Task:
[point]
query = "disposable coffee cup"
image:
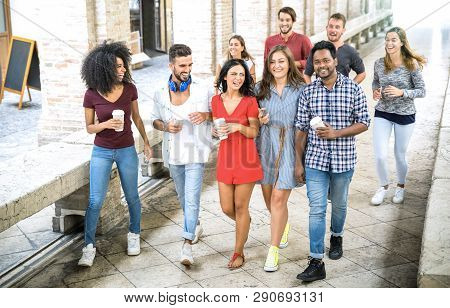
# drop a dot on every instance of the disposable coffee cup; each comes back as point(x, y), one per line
point(316, 122)
point(177, 122)
point(119, 115)
point(217, 123)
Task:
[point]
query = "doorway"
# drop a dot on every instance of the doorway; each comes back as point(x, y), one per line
point(5, 34)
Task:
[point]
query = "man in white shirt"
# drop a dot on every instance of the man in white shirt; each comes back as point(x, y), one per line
point(181, 110)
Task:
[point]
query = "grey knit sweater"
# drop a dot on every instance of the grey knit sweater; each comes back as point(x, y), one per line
point(411, 83)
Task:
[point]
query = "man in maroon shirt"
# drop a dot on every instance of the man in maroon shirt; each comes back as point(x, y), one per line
point(299, 44)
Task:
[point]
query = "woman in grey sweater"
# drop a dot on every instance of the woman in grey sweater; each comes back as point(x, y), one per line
point(396, 83)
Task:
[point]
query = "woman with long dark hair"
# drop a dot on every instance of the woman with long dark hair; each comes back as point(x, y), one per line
point(397, 81)
point(278, 93)
point(105, 71)
point(238, 165)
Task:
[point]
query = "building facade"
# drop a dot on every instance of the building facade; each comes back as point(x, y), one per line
point(66, 30)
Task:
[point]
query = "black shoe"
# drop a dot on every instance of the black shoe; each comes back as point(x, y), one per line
point(335, 247)
point(314, 271)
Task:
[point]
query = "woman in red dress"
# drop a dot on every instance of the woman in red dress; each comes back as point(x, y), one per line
point(238, 165)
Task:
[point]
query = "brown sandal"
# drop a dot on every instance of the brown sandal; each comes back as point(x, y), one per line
point(233, 258)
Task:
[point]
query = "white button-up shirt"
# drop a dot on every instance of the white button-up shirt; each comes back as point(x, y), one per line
point(194, 142)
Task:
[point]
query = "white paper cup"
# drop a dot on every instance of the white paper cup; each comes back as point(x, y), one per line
point(119, 115)
point(316, 122)
point(217, 123)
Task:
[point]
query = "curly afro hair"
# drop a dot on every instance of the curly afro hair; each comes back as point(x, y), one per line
point(98, 70)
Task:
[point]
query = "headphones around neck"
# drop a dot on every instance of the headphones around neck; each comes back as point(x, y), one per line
point(173, 86)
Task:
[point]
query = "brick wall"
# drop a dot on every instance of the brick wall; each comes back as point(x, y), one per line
point(194, 27)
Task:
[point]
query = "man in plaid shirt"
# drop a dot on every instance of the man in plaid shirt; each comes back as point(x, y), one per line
point(330, 151)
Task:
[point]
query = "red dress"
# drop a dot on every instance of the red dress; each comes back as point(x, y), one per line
point(238, 160)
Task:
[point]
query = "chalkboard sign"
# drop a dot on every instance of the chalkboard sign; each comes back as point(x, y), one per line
point(22, 69)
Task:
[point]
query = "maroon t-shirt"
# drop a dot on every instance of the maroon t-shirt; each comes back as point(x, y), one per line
point(299, 44)
point(109, 138)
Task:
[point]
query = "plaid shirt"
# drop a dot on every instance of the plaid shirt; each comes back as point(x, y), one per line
point(342, 106)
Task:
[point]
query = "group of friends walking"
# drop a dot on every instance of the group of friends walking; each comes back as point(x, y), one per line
point(287, 130)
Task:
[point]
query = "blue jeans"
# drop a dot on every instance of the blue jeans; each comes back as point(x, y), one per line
point(100, 170)
point(318, 184)
point(188, 183)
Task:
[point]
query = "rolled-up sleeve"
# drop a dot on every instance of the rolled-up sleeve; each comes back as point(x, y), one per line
point(156, 110)
point(302, 118)
point(360, 109)
point(419, 86)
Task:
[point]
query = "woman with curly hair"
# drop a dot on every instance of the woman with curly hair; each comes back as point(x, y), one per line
point(105, 70)
point(238, 165)
point(397, 81)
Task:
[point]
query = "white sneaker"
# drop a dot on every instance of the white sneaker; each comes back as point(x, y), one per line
point(378, 197)
point(186, 255)
point(134, 244)
point(399, 195)
point(198, 233)
point(87, 259)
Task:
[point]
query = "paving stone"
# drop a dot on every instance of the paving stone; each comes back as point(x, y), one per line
point(73, 273)
point(189, 285)
point(14, 244)
point(225, 241)
point(413, 225)
point(237, 280)
point(7, 261)
point(255, 257)
point(284, 277)
point(160, 276)
point(355, 218)
point(381, 233)
point(147, 258)
point(51, 277)
point(172, 251)
point(408, 248)
point(360, 280)
point(36, 224)
point(217, 225)
point(387, 212)
point(111, 281)
point(10, 232)
point(154, 220)
point(403, 276)
point(374, 257)
point(207, 267)
point(162, 235)
point(40, 239)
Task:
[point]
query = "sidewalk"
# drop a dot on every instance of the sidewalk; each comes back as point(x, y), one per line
point(381, 244)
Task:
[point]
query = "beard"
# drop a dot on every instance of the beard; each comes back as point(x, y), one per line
point(334, 38)
point(287, 31)
point(328, 72)
point(180, 78)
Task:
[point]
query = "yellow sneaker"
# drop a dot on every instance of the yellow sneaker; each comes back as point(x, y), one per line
point(272, 260)
point(284, 239)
